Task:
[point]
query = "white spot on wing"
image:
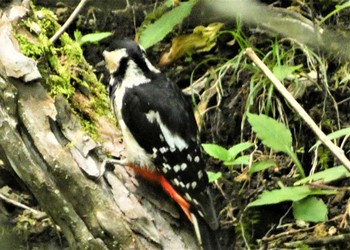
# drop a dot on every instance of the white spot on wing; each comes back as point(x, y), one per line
point(174, 141)
point(189, 157)
point(161, 137)
point(194, 184)
point(196, 159)
point(200, 174)
point(188, 197)
point(200, 213)
point(163, 150)
point(155, 151)
point(176, 182)
point(166, 168)
point(195, 202)
point(176, 168)
point(183, 166)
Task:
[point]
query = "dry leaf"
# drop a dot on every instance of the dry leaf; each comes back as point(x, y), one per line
point(202, 39)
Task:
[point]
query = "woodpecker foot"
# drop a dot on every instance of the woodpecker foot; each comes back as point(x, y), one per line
point(109, 161)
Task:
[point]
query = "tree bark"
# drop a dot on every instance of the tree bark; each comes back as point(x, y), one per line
point(44, 144)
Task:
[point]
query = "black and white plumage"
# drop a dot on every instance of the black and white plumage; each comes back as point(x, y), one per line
point(159, 129)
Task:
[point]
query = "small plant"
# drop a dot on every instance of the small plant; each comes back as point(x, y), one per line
point(275, 136)
point(90, 38)
point(230, 156)
point(306, 207)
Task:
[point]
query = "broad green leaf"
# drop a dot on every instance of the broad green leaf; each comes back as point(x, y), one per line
point(282, 71)
point(216, 151)
point(242, 160)
point(236, 149)
point(310, 209)
point(212, 176)
point(288, 194)
point(261, 165)
point(335, 135)
point(159, 29)
point(94, 37)
point(326, 176)
point(281, 195)
point(272, 133)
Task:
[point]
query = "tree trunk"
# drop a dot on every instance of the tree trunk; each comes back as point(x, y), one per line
point(44, 144)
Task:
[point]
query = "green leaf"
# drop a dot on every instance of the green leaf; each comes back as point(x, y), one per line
point(159, 29)
point(281, 195)
point(326, 176)
point(261, 165)
point(310, 209)
point(94, 37)
point(212, 176)
point(236, 149)
point(216, 151)
point(335, 135)
point(242, 160)
point(282, 71)
point(288, 194)
point(272, 133)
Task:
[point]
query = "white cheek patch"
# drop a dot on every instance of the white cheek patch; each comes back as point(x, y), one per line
point(173, 140)
point(113, 58)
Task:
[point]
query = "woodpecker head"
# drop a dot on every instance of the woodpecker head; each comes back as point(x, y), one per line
point(126, 60)
point(118, 54)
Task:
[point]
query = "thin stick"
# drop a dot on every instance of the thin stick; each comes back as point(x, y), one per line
point(18, 204)
point(69, 21)
point(337, 152)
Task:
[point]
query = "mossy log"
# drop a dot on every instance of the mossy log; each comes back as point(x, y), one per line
point(44, 145)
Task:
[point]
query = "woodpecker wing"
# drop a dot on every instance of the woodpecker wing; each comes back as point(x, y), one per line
point(160, 118)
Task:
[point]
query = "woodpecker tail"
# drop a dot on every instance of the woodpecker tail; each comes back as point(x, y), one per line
point(207, 238)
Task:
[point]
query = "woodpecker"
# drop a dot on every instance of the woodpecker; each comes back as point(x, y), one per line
point(160, 134)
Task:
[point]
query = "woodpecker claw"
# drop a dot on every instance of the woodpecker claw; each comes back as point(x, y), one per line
point(122, 162)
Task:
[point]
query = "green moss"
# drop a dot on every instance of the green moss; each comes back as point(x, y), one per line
point(64, 67)
point(90, 128)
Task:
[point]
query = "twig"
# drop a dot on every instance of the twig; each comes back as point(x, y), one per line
point(18, 204)
point(337, 152)
point(69, 21)
point(320, 241)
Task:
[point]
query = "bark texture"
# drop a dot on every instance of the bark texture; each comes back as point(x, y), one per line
point(43, 143)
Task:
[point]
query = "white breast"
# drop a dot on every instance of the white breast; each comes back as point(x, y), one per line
point(134, 152)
